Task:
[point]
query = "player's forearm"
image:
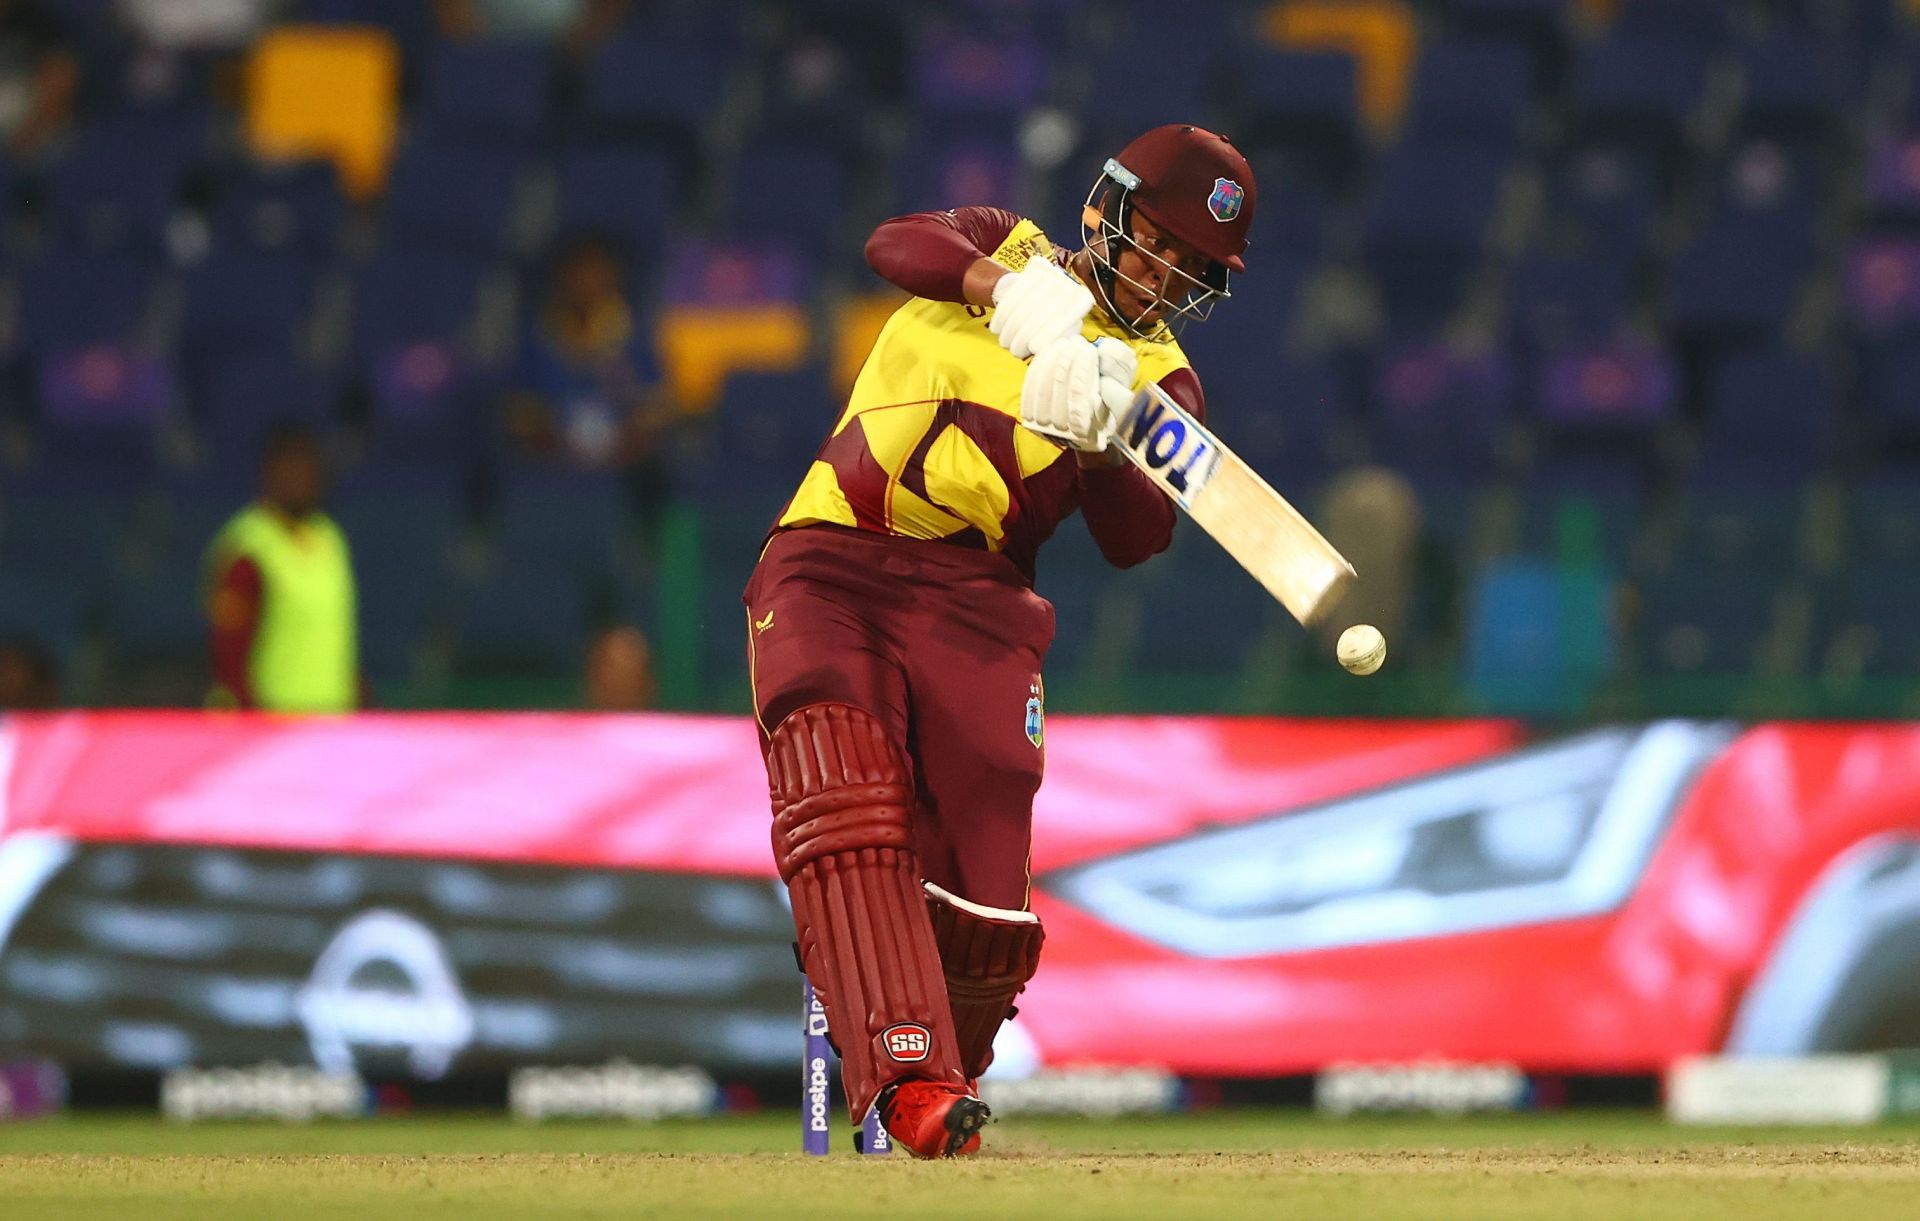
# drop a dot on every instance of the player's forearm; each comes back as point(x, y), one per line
point(933, 260)
point(1130, 519)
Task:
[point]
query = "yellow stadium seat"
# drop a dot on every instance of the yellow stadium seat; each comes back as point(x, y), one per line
point(1379, 34)
point(856, 324)
point(701, 345)
point(326, 91)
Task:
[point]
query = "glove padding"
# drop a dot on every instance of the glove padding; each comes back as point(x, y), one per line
point(1037, 305)
point(1118, 367)
point(1061, 396)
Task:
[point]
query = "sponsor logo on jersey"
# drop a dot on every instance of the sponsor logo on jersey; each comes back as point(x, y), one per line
point(907, 1042)
point(761, 625)
point(1225, 201)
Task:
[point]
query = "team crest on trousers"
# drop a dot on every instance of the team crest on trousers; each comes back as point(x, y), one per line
point(1036, 714)
point(1225, 201)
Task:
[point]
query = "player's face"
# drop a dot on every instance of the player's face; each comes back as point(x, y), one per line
point(589, 277)
point(1156, 271)
point(295, 479)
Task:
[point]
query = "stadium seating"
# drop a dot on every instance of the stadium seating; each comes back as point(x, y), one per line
point(1631, 288)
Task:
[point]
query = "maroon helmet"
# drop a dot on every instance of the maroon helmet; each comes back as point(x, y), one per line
point(1193, 184)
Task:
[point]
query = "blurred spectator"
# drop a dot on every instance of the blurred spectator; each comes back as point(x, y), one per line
point(1373, 516)
point(29, 680)
point(39, 75)
point(179, 24)
point(281, 592)
point(577, 26)
point(588, 385)
point(620, 671)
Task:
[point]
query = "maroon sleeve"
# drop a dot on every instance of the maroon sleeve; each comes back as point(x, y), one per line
point(235, 611)
point(928, 253)
point(1130, 518)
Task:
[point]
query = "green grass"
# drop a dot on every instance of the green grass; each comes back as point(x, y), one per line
point(1238, 1164)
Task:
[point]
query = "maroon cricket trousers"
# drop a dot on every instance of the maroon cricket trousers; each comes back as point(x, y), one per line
point(944, 645)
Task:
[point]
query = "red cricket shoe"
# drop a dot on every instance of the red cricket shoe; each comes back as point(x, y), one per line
point(933, 1118)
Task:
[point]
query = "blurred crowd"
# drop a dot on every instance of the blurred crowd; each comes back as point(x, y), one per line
point(1589, 327)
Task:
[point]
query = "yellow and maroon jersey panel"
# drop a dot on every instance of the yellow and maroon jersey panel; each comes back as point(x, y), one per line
point(930, 445)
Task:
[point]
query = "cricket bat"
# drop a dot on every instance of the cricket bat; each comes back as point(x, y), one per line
point(1259, 529)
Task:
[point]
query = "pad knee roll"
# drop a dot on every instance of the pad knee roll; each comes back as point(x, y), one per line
point(842, 795)
point(987, 954)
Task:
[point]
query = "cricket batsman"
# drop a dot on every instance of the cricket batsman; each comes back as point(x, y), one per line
point(894, 636)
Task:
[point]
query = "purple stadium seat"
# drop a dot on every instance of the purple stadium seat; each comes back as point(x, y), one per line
point(1636, 90)
point(119, 182)
point(1764, 179)
point(1556, 300)
point(1770, 422)
point(453, 195)
point(487, 91)
point(1471, 89)
point(245, 394)
point(1890, 390)
point(1791, 88)
point(73, 297)
point(238, 298)
point(101, 406)
point(103, 386)
point(1304, 103)
point(928, 179)
point(1542, 23)
point(295, 205)
point(1425, 222)
point(627, 194)
point(1601, 202)
point(792, 194)
point(1290, 430)
point(959, 75)
point(728, 275)
point(405, 296)
point(1618, 384)
point(1438, 411)
point(828, 76)
point(1235, 348)
point(765, 429)
point(1701, 26)
point(426, 399)
point(1883, 285)
point(1741, 277)
point(1893, 178)
point(1293, 218)
point(651, 87)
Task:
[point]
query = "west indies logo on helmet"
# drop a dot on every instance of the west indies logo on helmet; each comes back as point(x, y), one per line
point(1190, 183)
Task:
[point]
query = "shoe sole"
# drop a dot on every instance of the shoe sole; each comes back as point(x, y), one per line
point(964, 1121)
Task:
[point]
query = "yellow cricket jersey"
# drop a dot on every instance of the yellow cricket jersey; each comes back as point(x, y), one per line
point(930, 445)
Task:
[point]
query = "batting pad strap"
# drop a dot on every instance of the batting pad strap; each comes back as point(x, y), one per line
point(1005, 915)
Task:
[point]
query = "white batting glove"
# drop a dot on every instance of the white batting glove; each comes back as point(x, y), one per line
point(1119, 365)
point(1037, 305)
point(1061, 396)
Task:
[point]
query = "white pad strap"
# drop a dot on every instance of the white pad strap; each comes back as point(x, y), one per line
point(1004, 914)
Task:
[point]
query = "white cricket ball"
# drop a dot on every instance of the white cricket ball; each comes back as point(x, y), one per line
point(1362, 649)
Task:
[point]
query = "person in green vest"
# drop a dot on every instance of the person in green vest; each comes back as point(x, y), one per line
point(281, 594)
